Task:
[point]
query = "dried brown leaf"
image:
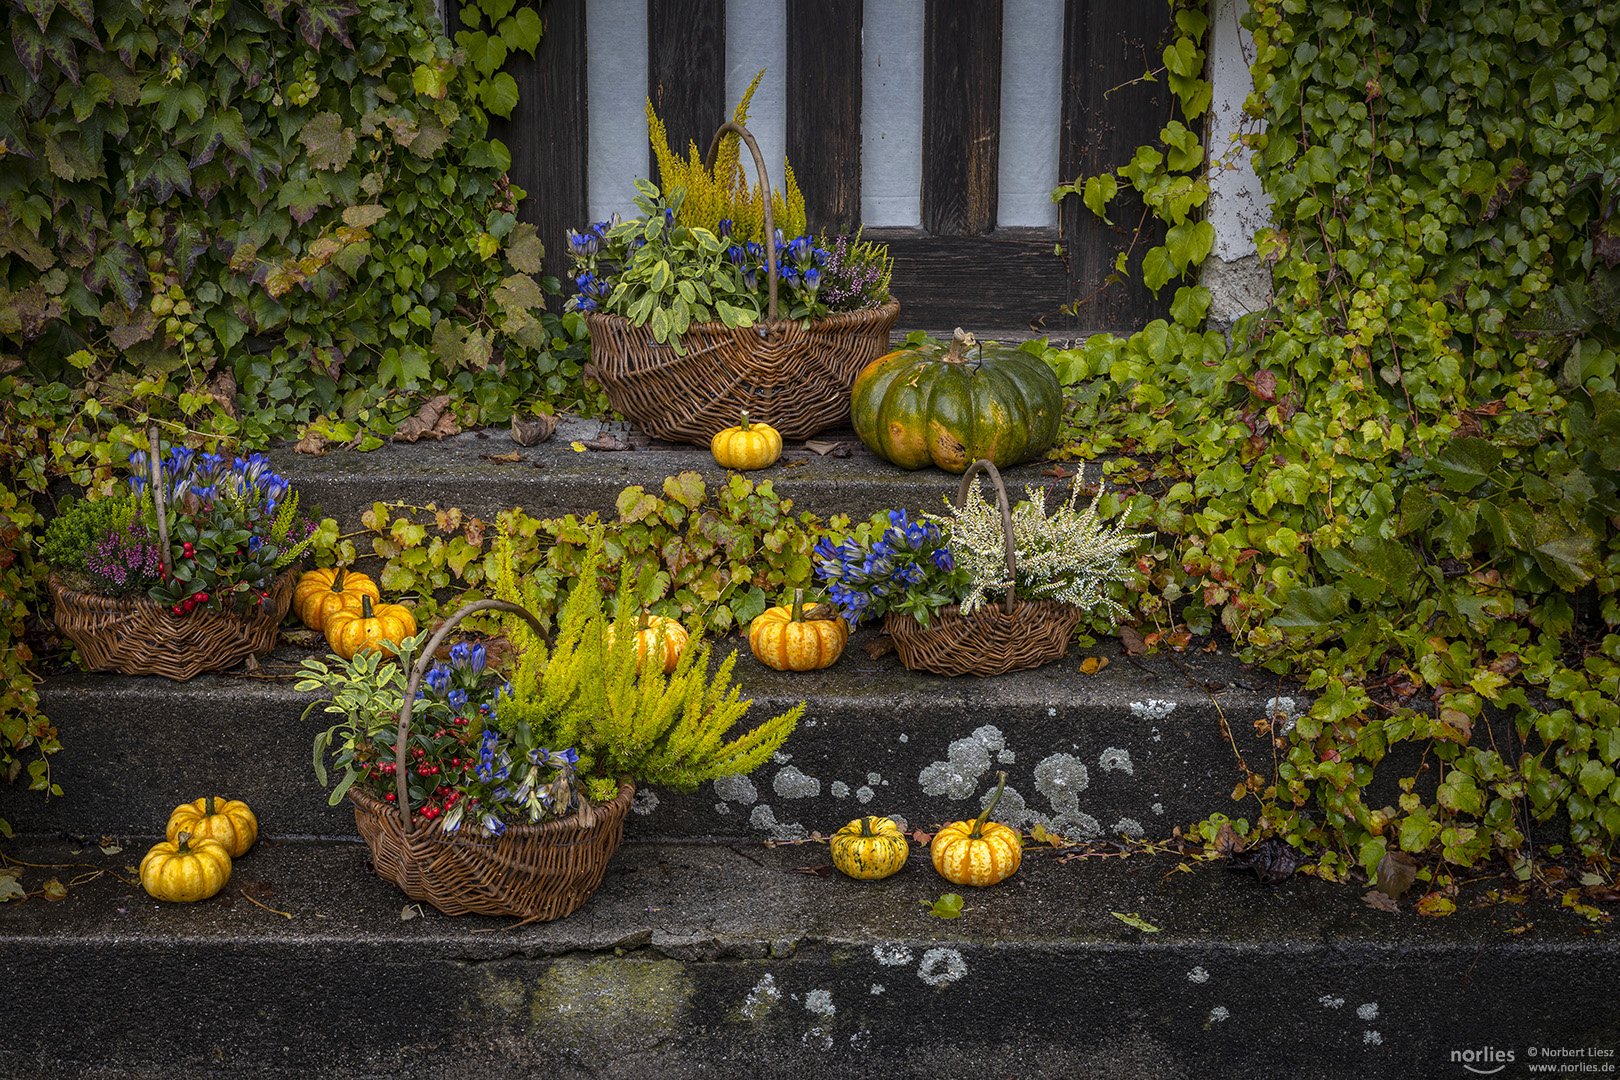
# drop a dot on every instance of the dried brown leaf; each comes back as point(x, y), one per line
point(605, 441)
point(1134, 645)
point(822, 448)
point(313, 442)
point(503, 459)
point(426, 421)
point(879, 648)
point(1396, 872)
point(814, 871)
point(1382, 901)
point(1227, 841)
point(1093, 664)
point(533, 432)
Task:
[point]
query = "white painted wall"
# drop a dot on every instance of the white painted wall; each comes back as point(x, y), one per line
point(756, 37)
point(1031, 110)
point(1237, 205)
point(616, 97)
point(892, 112)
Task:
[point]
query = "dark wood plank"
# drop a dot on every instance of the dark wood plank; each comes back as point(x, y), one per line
point(686, 70)
point(1107, 44)
point(824, 109)
point(1009, 279)
point(961, 116)
point(547, 132)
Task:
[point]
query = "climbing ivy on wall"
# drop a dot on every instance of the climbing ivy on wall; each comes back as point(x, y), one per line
point(247, 219)
point(1399, 481)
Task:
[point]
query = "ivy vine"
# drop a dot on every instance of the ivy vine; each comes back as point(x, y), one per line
point(1401, 480)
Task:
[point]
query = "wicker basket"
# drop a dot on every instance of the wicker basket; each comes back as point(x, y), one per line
point(794, 378)
point(992, 641)
point(537, 872)
point(139, 636)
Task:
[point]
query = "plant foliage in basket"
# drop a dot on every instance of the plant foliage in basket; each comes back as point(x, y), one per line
point(233, 525)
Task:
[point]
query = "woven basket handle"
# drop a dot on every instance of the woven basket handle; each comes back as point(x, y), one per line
point(731, 127)
point(419, 672)
point(985, 465)
point(155, 468)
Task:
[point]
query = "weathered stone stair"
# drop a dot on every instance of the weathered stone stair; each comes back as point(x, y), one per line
point(712, 949)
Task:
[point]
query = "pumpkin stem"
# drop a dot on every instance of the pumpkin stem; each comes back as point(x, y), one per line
point(743, 420)
point(978, 822)
point(337, 579)
point(797, 614)
point(365, 606)
point(866, 827)
point(183, 844)
point(208, 806)
point(961, 340)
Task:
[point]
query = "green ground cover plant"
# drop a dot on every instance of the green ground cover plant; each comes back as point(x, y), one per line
point(1400, 480)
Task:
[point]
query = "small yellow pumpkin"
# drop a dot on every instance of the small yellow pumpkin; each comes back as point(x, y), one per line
point(783, 638)
point(323, 593)
point(184, 870)
point(978, 852)
point(230, 822)
point(746, 446)
point(656, 636)
point(869, 848)
point(380, 626)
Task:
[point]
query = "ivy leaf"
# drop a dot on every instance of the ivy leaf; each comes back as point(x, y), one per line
point(433, 78)
point(83, 10)
point(524, 250)
point(1099, 191)
point(329, 143)
point(1571, 561)
point(319, 17)
point(302, 197)
point(40, 10)
point(1135, 921)
point(948, 906)
point(172, 99)
point(1465, 463)
point(29, 44)
point(122, 267)
point(522, 30)
point(1311, 610)
point(60, 48)
point(1157, 268)
point(223, 128)
point(11, 884)
point(500, 94)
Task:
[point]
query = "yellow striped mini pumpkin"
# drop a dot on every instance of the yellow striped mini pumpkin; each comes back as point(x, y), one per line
point(978, 852)
point(869, 848)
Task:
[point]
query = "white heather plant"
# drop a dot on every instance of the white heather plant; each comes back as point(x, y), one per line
point(1070, 556)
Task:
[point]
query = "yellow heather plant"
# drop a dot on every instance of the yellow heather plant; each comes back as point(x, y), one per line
point(670, 731)
point(723, 193)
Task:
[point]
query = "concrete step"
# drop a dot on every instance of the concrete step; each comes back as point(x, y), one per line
point(1134, 750)
point(553, 479)
point(719, 960)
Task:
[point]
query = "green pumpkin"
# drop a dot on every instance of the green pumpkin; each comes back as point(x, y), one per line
point(951, 407)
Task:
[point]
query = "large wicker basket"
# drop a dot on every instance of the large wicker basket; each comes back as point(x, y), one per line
point(1019, 634)
point(140, 636)
point(795, 378)
point(536, 872)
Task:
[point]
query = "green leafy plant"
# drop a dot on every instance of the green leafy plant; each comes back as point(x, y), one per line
point(623, 717)
point(1399, 480)
point(494, 30)
point(890, 563)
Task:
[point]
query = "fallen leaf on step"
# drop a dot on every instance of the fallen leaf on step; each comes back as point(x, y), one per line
point(1134, 645)
point(1093, 664)
point(54, 890)
point(605, 442)
point(1601, 894)
point(1227, 841)
point(1396, 872)
point(879, 648)
point(306, 638)
point(409, 912)
point(1436, 906)
point(577, 447)
point(948, 906)
point(433, 418)
point(503, 459)
point(923, 838)
point(10, 887)
point(109, 846)
point(258, 890)
point(822, 448)
point(1273, 860)
point(1057, 471)
point(1132, 919)
point(313, 442)
point(814, 871)
point(532, 432)
point(796, 464)
point(1382, 901)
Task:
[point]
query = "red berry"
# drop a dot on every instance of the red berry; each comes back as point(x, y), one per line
point(390, 797)
point(177, 610)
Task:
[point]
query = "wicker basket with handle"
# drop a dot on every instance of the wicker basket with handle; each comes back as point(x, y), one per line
point(795, 378)
point(538, 872)
point(994, 640)
point(139, 636)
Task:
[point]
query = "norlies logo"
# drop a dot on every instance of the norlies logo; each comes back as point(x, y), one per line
point(1484, 1056)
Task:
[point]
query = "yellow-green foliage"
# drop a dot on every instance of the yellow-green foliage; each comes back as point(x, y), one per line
point(584, 693)
point(724, 192)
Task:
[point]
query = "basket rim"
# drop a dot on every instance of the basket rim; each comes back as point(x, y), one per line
point(68, 593)
point(954, 611)
point(833, 320)
point(615, 808)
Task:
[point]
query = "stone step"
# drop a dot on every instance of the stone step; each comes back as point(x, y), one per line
point(1136, 749)
point(553, 479)
point(720, 960)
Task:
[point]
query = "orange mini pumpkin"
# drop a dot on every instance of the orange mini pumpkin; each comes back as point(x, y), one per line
point(323, 593)
point(380, 626)
point(746, 446)
point(978, 852)
point(656, 636)
point(784, 639)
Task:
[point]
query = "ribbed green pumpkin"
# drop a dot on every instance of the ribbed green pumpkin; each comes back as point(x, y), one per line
point(951, 407)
